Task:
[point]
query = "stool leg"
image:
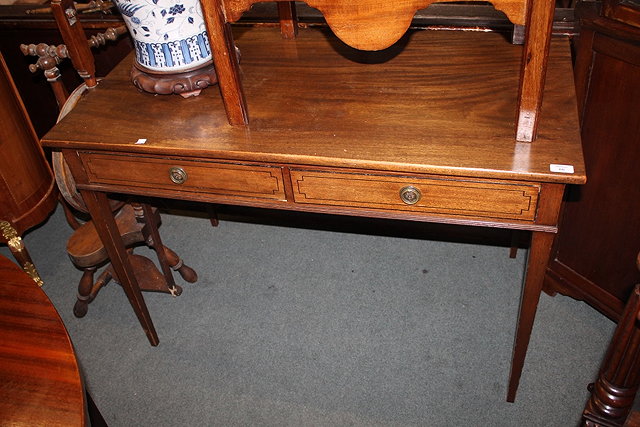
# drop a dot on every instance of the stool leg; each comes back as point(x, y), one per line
point(155, 242)
point(87, 289)
point(84, 292)
point(176, 264)
point(168, 258)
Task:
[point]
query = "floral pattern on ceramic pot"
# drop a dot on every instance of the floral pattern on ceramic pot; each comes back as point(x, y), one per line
point(168, 35)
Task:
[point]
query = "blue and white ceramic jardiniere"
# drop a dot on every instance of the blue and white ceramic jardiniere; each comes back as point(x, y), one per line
point(168, 35)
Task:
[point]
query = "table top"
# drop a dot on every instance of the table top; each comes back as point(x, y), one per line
point(40, 381)
point(437, 102)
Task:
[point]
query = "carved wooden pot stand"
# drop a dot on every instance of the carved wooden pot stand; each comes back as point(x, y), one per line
point(186, 84)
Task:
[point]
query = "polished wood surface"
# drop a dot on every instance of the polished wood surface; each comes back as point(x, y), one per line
point(394, 134)
point(317, 101)
point(40, 383)
point(597, 267)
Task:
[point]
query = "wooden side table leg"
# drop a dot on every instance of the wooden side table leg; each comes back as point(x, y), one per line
point(534, 67)
point(539, 252)
point(19, 251)
point(105, 224)
point(549, 204)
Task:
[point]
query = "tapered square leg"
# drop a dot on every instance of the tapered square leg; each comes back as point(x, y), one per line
point(105, 224)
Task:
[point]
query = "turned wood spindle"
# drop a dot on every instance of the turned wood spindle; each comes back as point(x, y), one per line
point(49, 56)
point(613, 393)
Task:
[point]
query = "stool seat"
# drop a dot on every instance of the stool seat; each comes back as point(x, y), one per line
point(85, 248)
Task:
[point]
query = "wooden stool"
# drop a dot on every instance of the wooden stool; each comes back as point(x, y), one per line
point(88, 253)
point(137, 223)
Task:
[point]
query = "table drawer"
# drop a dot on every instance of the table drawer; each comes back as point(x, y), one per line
point(471, 198)
point(211, 177)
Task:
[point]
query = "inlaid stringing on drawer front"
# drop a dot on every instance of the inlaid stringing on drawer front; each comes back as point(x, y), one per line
point(477, 198)
point(212, 177)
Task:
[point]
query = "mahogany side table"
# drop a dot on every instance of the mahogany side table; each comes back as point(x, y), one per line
point(392, 134)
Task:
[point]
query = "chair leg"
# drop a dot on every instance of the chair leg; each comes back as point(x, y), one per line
point(288, 19)
point(84, 292)
point(534, 67)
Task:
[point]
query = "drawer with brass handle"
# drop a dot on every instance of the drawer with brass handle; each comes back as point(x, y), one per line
point(420, 194)
point(211, 177)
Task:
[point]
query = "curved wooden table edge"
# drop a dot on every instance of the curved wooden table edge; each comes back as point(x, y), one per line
point(37, 357)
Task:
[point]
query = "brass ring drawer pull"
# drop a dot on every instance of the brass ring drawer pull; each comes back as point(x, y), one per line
point(177, 175)
point(410, 195)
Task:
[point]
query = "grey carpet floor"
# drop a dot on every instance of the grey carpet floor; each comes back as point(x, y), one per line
point(309, 325)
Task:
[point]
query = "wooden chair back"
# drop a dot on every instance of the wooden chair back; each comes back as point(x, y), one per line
point(375, 25)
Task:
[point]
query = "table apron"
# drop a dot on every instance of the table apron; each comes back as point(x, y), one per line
point(369, 193)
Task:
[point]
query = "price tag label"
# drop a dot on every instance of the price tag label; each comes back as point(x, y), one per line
point(561, 168)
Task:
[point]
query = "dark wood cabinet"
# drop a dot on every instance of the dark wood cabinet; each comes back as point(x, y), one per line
point(599, 235)
point(626, 11)
point(27, 188)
